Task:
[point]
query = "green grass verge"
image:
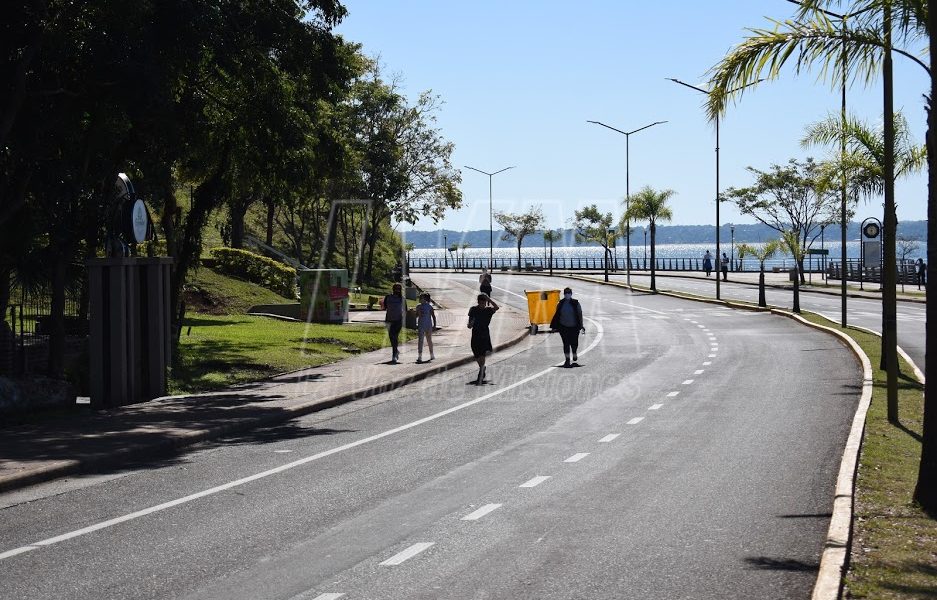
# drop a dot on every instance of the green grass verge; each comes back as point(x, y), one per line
point(894, 548)
point(216, 351)
point(213, 293)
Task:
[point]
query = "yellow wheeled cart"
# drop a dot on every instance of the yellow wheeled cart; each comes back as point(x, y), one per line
point(541, 305)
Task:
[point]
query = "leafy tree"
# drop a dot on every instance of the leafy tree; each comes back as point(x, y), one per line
point(591, 225)
point(403, 162)
point(649, 205)
point(762, 252)
point(518, 226)
point(793, 198)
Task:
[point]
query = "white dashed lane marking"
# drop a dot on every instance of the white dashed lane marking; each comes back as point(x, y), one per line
point(655, 406)
point(481, 512)
point(535, 481)
point(635, 420)
point(688, 382)
point(609, 437)
point(576, 457)
point(699, 372)
point(407, 554)
point(673, 394)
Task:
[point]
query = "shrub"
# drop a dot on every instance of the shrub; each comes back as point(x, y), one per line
point(257, 269)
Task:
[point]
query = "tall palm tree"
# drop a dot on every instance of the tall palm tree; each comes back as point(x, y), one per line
point(651, 206)
point(551, 236)
point(864, 161)
point(762, 252)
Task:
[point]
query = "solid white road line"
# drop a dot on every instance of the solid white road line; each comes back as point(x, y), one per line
point(673, 394)
point(635, 420)
point(535, 481)
point(481, 512)
point(407, 554)
point(609, 437)
point(600, 332)
point(655, 406)
point(688, 382)
point(576, 457)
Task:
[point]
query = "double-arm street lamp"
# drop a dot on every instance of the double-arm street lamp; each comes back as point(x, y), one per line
point(491, 227)
point(627, 135)
point(718, 193)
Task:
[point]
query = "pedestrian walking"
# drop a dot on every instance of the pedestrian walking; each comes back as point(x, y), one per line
point(708, 263)
point(394, 307)
point(725, 267)
point(479, 317)
point(568, 321)
point(425, 323)
point(921, 273)
point(485, 283)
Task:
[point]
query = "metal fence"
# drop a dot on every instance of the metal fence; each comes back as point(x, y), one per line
point(814, 265)
point(27, 324)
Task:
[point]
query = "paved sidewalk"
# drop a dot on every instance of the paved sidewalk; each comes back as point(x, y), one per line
point(108, 439)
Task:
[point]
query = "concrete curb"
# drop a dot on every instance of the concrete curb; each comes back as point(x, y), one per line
point(188, 438)
point(834, 559)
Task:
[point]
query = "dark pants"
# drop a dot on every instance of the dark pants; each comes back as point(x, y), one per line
point(570, 337)
point(725, 273)
point(393, 331)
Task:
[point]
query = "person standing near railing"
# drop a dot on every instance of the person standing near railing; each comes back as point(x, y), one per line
point(708, 263)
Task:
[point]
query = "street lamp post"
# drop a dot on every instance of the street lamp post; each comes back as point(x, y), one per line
point(491, 227)
point(844, 59)
point(627, 135)
point(718, 193)
point(732, 251)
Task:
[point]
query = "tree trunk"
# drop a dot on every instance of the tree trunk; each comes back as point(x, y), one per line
point(762, 301)
point(551, 258)
point(925, 492)
point(796, 293)
point(271, 212)
point(238, 209)
point(519, 240)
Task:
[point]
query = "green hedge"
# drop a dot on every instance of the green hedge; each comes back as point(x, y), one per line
point(257, 269)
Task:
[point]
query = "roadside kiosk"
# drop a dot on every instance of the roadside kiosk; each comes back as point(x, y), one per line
point(323, 295)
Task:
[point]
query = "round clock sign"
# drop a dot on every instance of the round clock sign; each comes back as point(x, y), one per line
point(871, 230)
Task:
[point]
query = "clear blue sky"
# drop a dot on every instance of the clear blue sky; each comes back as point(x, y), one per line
point(519, 80)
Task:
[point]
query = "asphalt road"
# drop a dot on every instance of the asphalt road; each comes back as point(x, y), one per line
point(692, 454)
point(862, 312)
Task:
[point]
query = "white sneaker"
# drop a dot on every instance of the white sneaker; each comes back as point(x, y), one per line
point(432, 356)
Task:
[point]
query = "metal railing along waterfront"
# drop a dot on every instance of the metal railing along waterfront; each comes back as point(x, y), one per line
point(907, 271)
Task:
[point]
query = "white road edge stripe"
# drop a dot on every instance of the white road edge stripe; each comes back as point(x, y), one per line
point(535, 481)
point(576, 457)
point(609, 438)
point(407, 554)
point(481, 512)
point(291, 465)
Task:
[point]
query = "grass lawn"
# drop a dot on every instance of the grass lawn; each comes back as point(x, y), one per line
point(894, 547)
point(220, 350)
point(212, 293)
